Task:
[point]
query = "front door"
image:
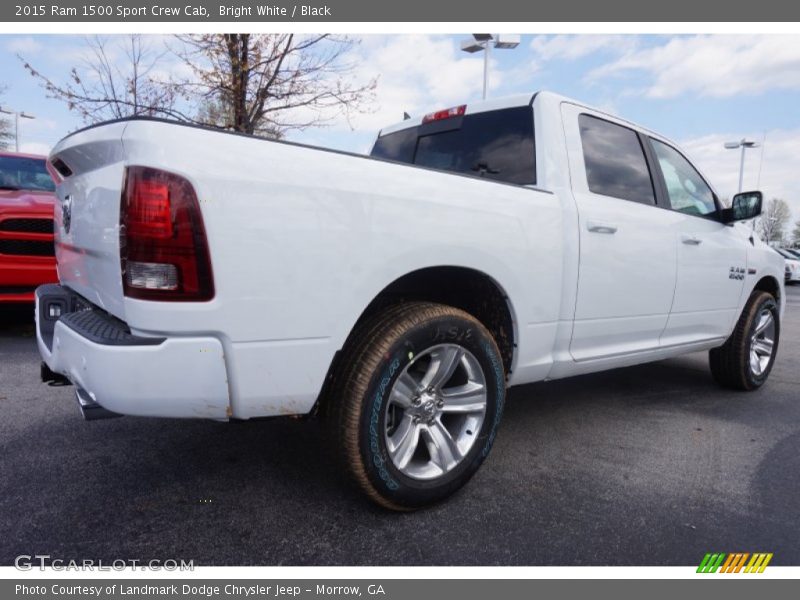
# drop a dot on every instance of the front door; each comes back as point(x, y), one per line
point(712, 257)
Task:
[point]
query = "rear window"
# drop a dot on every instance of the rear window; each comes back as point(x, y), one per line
point(24, 173)
point(496, 145)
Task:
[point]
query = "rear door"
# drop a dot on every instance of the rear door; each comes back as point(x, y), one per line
point(712, 257)
point(628, 266)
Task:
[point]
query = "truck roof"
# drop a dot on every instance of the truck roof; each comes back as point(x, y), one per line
point(472, 108)
point(511, 102)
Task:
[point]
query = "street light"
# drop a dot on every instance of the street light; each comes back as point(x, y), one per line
point(17, 116)
point(484, 42)
point(744, 144)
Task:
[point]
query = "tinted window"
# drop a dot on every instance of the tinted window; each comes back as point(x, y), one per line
point(496, 144)
point(22, 173)
point(398, 146)
point(687, 191)
point(615, 162)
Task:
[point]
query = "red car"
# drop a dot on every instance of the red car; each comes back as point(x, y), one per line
point(27, 257)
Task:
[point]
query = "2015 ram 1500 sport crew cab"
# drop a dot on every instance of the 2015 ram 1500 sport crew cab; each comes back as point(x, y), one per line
point(214, 275)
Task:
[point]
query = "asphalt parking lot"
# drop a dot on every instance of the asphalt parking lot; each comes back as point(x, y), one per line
point(649, 465)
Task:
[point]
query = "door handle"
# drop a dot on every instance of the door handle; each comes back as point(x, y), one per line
point(597, 227)
point(691, 240)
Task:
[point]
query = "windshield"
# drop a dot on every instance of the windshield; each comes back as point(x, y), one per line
point(785, 254)
point(23, 173)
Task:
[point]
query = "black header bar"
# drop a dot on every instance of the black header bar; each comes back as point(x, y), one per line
point(440, 11)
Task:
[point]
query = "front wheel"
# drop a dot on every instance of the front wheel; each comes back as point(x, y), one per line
point(745, 360)
point(417, 404)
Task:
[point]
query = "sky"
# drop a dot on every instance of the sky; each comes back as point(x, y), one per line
point(698, 90)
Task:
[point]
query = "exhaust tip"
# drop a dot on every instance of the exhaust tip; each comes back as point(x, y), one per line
point(90, 409)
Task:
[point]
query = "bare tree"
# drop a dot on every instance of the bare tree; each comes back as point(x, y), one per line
point(216, 112)
point(773, 220)
point(6, 132)
point(106, 86)
point(796, 235)
point(271, 83)
point(254, 83)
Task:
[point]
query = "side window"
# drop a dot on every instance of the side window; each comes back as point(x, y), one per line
point(398, 146)
point(687, 191)
point(615, 162)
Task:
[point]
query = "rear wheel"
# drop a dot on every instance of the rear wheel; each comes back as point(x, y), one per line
point(745, 360)
point(417, 403)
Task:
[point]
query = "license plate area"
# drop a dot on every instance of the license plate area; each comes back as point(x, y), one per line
point(54, 301)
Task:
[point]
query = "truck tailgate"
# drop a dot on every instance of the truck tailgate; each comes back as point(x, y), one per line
point(87, 229)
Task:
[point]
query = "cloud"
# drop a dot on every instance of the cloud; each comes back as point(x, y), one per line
point(416, 74)
point(779, 176)
point(712, 66)
point(573, 47)
point(35, 148)
point(23, 45)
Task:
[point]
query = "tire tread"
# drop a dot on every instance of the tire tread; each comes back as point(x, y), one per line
point(371, 342)
point(730, 362)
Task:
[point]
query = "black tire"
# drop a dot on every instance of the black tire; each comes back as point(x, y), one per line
point(730, 363)
point(382, 348)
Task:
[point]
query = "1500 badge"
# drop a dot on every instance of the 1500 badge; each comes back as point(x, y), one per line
point(736, 273)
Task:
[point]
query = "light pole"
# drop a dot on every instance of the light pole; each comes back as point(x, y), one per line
point(17, 116)
point(744, 144)
point(484, 42)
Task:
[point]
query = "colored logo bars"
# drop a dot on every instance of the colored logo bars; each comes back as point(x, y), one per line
point(735, 562)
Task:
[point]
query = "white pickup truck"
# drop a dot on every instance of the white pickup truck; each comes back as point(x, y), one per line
point(216, 275)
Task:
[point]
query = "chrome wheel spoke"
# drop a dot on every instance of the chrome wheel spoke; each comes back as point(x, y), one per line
point(762, 342)
point(755, 364)
point(402, 444)
point(467, 398)
point(442, 447)
point(763, 347)
point(403, 391)
point(764, 321)
point(443, 364)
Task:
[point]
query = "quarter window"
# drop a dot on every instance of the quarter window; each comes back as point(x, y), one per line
point(687, 191)
point(615, 161)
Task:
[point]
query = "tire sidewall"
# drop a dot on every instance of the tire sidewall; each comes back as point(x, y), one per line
point(769, 303)
point(387, 480)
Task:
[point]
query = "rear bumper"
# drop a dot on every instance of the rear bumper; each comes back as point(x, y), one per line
point(125, 373)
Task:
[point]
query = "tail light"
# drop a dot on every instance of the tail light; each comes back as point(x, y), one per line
point(447, 113)
point(163, 245)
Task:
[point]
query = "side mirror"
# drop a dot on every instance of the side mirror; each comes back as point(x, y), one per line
point(745, 206)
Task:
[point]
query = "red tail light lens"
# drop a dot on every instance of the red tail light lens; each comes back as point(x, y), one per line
point(163, 245)
point(447, 113)
point(150, 215)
